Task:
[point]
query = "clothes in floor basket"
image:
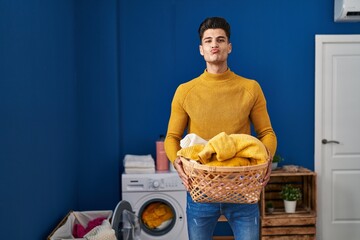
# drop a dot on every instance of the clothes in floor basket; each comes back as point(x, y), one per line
point(139, 164)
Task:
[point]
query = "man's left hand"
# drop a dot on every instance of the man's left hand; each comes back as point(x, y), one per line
point(268, 171)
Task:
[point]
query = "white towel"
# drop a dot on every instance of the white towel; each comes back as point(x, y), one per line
point(102, 232)
point(140, 170)
point(190, 140)
point(138, 161)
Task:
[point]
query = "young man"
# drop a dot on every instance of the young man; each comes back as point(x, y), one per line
point(218, 101)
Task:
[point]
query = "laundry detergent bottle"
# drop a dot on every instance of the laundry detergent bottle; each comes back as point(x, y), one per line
point(162, 162)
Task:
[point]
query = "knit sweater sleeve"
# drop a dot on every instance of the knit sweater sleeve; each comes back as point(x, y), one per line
point(177, 124)
point(261, 121)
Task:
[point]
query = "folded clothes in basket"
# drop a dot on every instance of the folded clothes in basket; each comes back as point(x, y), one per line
point(228, 150)
point(191, 139)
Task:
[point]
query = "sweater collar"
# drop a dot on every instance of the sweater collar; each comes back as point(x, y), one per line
point(218, 77)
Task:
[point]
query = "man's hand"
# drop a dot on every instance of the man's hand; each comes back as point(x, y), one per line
point(179, 168)
point(268, 171)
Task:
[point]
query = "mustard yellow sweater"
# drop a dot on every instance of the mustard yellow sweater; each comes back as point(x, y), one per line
point(215, 103)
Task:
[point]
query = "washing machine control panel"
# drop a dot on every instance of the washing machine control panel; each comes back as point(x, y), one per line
point(151, 182)
point(156, 184)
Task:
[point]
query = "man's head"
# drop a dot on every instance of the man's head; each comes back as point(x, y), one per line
point(213, 23)
point(215, 44)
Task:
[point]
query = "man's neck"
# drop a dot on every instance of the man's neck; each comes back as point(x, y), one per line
point(216, 68)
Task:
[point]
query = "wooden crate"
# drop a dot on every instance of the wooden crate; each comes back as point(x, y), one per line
point(281, 225)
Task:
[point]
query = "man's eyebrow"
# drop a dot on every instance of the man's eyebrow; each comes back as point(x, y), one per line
point(215, 37)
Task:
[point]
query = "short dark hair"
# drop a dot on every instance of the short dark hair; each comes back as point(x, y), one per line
point(212, 23)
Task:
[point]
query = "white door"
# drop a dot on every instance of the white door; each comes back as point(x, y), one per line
point(337, 136)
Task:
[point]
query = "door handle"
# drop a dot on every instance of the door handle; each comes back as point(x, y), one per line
point(325, 141)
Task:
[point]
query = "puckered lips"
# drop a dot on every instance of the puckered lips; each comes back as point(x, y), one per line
point(215, 50)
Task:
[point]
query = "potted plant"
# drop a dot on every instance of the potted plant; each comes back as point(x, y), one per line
point(276, 159)
point(270, 207)
point(290, 195)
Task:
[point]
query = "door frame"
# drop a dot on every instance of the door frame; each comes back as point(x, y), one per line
point(320, 41)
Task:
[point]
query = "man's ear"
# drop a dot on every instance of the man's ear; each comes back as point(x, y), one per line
point(201, 50)
point(230, 48)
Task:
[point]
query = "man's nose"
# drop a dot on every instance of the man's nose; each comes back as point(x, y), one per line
point(214, 45)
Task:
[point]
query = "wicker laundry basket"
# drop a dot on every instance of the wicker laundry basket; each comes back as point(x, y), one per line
point(209, 184)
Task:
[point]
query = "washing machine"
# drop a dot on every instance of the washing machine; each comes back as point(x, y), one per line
point(160, 193)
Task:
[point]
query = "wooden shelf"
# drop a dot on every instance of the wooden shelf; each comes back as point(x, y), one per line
point(281, 225)
point(222, 218)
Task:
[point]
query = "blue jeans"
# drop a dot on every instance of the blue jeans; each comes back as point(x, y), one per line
point(202, 219)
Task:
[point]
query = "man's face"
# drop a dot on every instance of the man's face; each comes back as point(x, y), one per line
point(215, 46)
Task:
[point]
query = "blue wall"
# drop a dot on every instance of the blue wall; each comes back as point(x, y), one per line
point(59, 124)
point(84, 82)
point(38, 123)
point(96, 38)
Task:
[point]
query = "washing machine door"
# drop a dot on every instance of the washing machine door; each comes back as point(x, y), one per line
point(125, 222)
point(157, 217)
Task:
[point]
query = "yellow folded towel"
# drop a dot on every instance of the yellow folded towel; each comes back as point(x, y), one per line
point(228, 150)
point(222, 145)
point(191, 152)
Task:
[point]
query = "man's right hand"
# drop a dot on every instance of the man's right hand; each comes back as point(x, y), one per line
point(179, 168)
